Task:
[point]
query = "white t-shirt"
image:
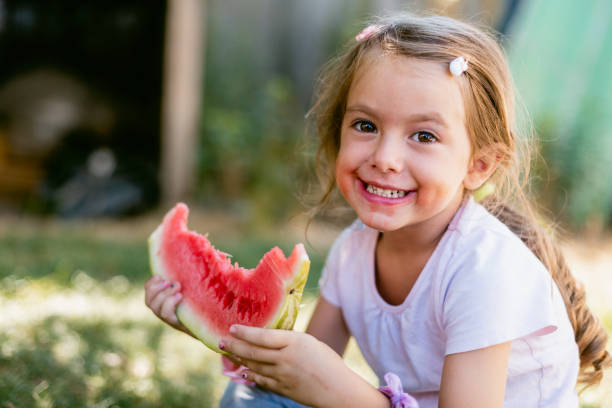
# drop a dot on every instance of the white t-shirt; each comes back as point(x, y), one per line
point(482, 286)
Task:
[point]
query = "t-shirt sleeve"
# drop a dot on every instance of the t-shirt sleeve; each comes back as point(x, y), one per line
point(496, 291)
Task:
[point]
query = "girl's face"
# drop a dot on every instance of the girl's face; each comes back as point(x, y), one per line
point(404, 150)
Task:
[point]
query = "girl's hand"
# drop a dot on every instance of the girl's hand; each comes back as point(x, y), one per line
point(298, 366)
point(289, 363)
point(162, 297)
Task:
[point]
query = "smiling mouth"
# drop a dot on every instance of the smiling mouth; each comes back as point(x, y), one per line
point(386, 193)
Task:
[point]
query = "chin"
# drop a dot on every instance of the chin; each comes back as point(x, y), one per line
point(380, 223)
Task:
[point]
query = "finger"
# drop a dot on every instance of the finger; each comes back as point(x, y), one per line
point(153, 279)
point(247, 351)
point(157, 301)
point(237, 361)
point(168, 308)
point(268, 338)
point(269, 370)
point(153, 288)
point(265, 369)
point(261, 380)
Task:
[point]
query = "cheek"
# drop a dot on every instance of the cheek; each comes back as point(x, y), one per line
point(339, 165)
point(342, 174)
point(345, 160)
point(438, 180)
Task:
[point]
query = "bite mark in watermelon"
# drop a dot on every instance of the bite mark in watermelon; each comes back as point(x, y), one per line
point(217, 294)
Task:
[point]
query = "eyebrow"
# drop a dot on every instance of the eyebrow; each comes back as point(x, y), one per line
point(415, 117)
point(428, 117)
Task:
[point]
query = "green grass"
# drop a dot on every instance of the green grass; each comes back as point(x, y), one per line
point(63, 362)
point(60, 259)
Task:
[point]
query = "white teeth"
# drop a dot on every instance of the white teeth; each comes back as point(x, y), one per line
point(385, 193)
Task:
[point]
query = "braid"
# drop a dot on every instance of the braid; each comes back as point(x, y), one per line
point(590, 336)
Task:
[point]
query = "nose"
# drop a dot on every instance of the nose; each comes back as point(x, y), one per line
point(389, 155)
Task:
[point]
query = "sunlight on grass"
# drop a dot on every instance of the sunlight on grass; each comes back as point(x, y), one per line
point(65, 347)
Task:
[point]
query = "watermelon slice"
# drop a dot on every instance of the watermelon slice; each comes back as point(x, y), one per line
point(217, 294)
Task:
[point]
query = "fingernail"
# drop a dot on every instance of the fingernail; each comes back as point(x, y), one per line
point(222, 345)
point(166, 285)
point(233, 329)
point(178, 295)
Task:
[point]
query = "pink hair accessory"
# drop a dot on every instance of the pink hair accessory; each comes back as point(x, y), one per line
point(396, 394)
point(458, 66)
point(368, 32)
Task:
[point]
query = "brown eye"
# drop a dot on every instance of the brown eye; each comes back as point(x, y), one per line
point(364, 126)
point(424, 137)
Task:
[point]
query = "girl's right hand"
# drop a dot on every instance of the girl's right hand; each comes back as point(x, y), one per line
point(162, 297)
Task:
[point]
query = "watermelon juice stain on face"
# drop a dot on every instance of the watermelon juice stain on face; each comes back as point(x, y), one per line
point(404, 149)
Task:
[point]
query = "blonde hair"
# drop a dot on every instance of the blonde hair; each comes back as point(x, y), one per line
point(488, 94)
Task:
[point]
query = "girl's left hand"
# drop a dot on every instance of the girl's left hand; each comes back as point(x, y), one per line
point(293, 364)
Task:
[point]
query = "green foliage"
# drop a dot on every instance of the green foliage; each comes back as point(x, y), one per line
point(567, 89)
point(575, 182)
point(259, 75)
point(249, 156)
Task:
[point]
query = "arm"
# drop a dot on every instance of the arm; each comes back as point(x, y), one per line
point(475, 378)
point(306, 367)
point(328, 326)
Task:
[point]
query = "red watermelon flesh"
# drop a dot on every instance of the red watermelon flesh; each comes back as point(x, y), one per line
point(217, 294)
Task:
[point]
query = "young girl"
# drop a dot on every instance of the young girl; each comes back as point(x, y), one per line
point(453, 303)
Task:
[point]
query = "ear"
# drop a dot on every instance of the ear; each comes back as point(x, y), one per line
point(482, 166)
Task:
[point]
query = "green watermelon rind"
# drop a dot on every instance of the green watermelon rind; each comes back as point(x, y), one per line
point(284, 319)
point(287, 314)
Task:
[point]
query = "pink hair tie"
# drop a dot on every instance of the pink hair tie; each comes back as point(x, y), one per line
point(396, 394)
point(368, 32)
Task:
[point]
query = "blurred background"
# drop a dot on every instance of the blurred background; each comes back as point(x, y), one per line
point(112, 112)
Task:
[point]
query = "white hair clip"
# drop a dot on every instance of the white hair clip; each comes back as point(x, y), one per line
point(458, 66)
